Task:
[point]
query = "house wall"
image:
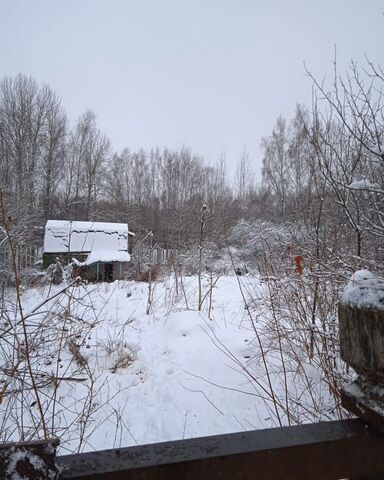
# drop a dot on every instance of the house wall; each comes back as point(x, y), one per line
point(118, 270)
point(97, 272)
point(88, 273)
point(91, 273)
point(65, 258)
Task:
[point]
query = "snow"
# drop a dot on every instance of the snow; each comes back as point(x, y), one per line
point(62, 236)
point(23, 455)
point(106, 256)
point(365, 185)
point(364, 290)
point(378, 150)
point(175, 373)
point(367, 395)
point(181, 382)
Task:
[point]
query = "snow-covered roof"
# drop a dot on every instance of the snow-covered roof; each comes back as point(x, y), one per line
point(64, 236)
point(107, 256)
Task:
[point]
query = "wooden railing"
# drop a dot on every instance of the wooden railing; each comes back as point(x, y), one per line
point(327, 450)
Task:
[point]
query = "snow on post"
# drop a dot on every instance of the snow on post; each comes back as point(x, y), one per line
point(361, 317)
point(29, 460)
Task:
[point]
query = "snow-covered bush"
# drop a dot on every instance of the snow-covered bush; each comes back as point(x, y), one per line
point(254, 239)
point(296, 340)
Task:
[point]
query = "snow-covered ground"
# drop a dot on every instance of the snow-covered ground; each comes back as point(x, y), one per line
point(127, 377)
point(183, 377)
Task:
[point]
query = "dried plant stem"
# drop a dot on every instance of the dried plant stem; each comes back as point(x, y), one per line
point(21, 313)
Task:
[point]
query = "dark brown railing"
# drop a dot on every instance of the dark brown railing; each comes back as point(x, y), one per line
point(329, 450)
point(326, 450)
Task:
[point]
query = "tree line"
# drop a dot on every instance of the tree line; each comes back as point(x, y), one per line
point(49, 169)
point(323, 169)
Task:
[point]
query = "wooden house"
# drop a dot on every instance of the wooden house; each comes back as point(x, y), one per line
point(99, 250)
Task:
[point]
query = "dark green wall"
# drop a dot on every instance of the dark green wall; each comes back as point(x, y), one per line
point(88, 272)
point(65, 258)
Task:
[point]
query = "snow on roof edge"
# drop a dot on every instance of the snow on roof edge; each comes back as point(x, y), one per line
point(104, 256)
point(87, 226)
point(66, 236)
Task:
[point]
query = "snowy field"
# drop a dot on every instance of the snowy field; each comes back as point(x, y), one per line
point(180, 372)
point(126, 377)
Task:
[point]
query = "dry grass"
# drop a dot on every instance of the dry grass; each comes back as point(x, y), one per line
point(125, 358)
point(74, 348)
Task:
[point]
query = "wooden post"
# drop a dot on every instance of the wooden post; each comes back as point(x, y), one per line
point(361, 315)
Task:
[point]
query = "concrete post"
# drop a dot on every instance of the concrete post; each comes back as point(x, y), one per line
point(361, 316)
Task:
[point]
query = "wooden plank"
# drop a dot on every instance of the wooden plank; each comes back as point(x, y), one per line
point(328, 450)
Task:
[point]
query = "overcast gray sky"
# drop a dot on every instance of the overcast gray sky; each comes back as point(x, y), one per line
point(212, 75)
